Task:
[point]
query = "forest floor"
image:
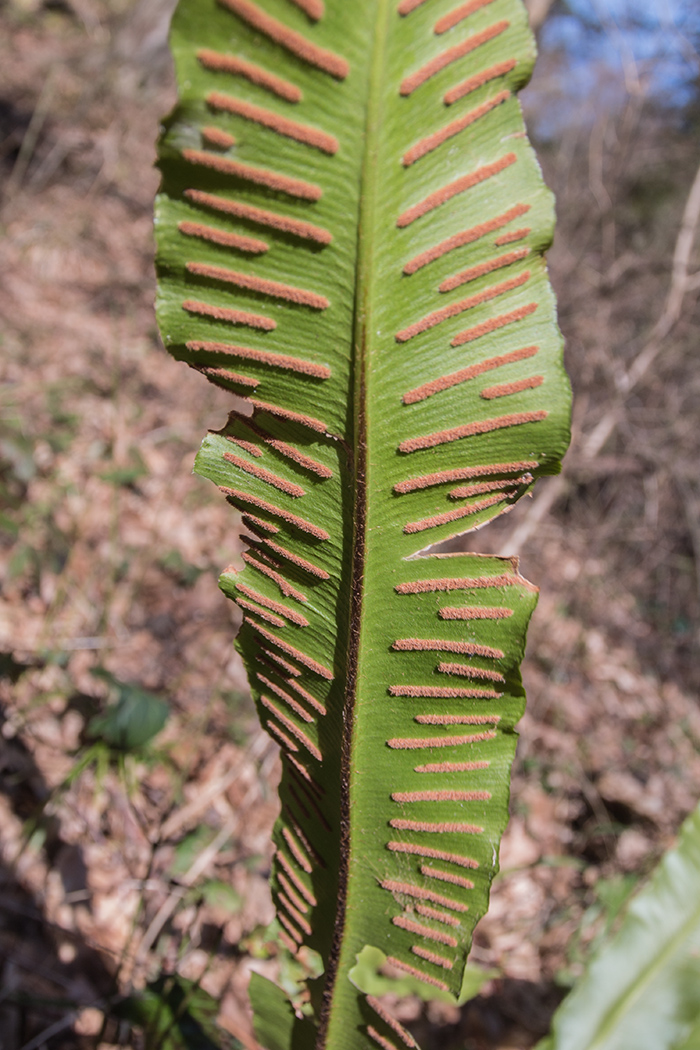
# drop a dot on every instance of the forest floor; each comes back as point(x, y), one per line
point(115, 870)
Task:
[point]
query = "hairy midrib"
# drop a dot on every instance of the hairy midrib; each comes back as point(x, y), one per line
point(358, 466)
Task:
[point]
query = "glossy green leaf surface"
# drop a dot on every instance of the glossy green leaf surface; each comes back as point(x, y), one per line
point(642, 989)
point(350, 233)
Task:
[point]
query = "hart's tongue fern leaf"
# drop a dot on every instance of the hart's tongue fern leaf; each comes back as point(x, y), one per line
point(350, 237)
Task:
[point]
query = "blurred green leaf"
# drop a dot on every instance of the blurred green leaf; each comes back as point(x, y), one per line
point(133, 720)
point(220, 895)
point(176, 1014)
point(366, 975)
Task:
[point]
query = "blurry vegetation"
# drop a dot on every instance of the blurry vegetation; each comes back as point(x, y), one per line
point(134, 841)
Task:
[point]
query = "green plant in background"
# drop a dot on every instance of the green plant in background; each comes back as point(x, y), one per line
point(350, 238)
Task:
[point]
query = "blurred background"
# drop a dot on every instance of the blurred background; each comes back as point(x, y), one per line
point(137, 792)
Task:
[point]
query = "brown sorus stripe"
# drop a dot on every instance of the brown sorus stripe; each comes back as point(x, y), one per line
point(278, 607)
point(305, 695)
point(462, 720)
point(214, 374)
point(283, 695)
point(294, 912)
point(291, 129)
point(252, 450)
point(217, 137)
point(446, 312)
point(299, 457)
point(505, 389)
point(292, 930)
point(281, 736)
point(432, 957)
point(292, 727)
point(459, 14)
point(439, 691)
point(222, 313)
point(451, 767)
point(391, 958)
point(287, 590)
point(422, 743)
point(254, 522)
point(406, 6)
point(297, 852)
point(441, 796)
point(441, 196)
point(446, 876)
point(291, 892)
point(491, 326)
point(438, 916)
point(467, 671)
point(472, 83)
point(264, 614)
point(473, 272)
point(271, 658)
point(475, 612)
point(440, 645)
point(420, 893)
point(458, 240)
point(420, 393)
point(260, 285)
point(315, 9)
point(453, 515)
point(509, 238)
point(302, 770)
point(260, 215)
point(483, 426)
point(263, 357)
point(431, 142)
point(278, 512)
point(452, 584)
point(273, 180)
point(440, 936)
point(290, 650)
point(287, 413)
point(294, 42)
point(219, 63)
point(385, 1044)
point(452, 54)
point(303, 889)
point(301, 836)
point(265, 475)
point(432, 854)
point(380, 1009)
point(478, 489)
point(460, 473)
point(291, 946)
point(309, 566)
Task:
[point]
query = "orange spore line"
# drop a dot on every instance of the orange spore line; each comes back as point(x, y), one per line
point(454, 309)
point(432, 957)
point(432, 854)
point(505, 389)
point(293, 417)
point(298, 882)
point(287, 590)
point(458, 240)
point(303, 563)
point(269, 659)
point(223, 313)
point(451, 795)
point(298, 457)
point(404, 966)
point(281, 736)
point(216, 374)
point(460, 473)
point(442, 645)
point(405, 923)
point(509, 238)
point(295, 43)
point(306, 695)
point(385, 1044)
point(431, 142)
point(470, 672)
point(451, 767)
point(380, 1009)
point(446, 876)
point(315, 9)
point(279, 512)
point(440, 827)
point(293, 932)
point(500, 69)
point(296, 491)
point(483, 426)
point(421, 743)
point(253, 522)
point(406, 6)
point(261, 216)
point(297, 852)
point(474, 272)
point(290, 129)
point(437, 691)
point(277, 607)
point(452, 54)
point(264, 614)
point(475, 612)
point(291, 946)
point(272, 180)
point(291, 893)
point(260, 285)
point(458, 15)
point(465, 491)
point(290, 650)
point(464, 375)
point(217, 137)
point(421, 893)
point(297, 708)
point(456, 584)
point(295, 913)
point(462, 720)
point(441, 196)
point(453, 515)
point(470, 334)
point(437, 916)
point(222, 237)
point(218, 63)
